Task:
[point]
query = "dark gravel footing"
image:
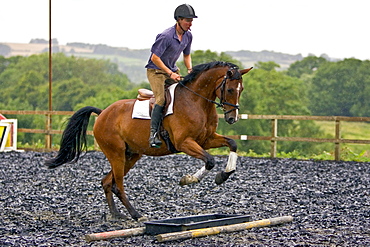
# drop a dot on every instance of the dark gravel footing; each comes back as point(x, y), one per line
point(329, 200)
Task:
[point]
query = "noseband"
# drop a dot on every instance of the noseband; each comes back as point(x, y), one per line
point(231, 74)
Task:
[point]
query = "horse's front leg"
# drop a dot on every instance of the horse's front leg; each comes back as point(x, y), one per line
point(221, 141)
point(193, 149)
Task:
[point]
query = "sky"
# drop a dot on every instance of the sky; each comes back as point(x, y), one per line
point(337, 28)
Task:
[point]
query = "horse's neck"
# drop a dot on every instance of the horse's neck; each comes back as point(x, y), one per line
point(207, 82)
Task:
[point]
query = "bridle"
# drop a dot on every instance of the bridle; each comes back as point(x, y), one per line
point(231, 74)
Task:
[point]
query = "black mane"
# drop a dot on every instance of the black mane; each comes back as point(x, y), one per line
point(203, 67)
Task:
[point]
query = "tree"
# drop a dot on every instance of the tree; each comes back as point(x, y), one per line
point(308, 66)
point(68, 93)
point(268, 66)
point(200, 57)
point(25, 85)
point(270, 92)
point(361, 107)
point(339, 88)
point(91, 71)
point(31, 88)
point(74, 80)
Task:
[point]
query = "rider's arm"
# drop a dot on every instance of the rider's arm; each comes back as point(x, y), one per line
point(158, 62)
point(187, 62)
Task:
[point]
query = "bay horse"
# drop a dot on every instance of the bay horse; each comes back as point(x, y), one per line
point(191, 129)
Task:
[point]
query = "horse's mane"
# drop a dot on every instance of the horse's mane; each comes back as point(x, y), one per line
point(205, 66)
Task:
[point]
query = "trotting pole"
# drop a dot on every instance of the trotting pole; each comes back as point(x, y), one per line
point(115, 234)
point(221, 229)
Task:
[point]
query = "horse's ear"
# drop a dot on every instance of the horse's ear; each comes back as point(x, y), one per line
point(245, 71)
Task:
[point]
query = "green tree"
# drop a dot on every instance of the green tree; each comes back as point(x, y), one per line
point(74, 80)
point(361, 107)
point(339, 88)
point(200, 57)
point(25, 85)
point(268, 66)
point(32, 88)
point(308, 66)
point(270, 92)
point(68, 93)
point(107, 96)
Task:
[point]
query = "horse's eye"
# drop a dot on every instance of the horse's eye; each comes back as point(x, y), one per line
point(230, 90)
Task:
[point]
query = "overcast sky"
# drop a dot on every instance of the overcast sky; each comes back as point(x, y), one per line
point(337, 28)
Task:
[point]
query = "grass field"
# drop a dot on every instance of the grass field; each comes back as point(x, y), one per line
point(350, 130)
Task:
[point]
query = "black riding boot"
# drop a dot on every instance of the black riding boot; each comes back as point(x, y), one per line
point(155, 123)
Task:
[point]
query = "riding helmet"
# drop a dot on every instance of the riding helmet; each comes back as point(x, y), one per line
point(185, 11)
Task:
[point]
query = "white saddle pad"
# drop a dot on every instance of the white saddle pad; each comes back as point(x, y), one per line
point(141, 107)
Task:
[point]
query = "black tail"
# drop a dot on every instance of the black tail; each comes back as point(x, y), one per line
point(74, 137)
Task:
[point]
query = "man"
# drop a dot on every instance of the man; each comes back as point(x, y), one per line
point(165, 51)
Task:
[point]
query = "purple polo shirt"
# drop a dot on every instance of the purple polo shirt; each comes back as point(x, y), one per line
point(168, 47)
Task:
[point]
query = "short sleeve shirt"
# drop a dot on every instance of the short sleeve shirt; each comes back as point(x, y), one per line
point(168, 47)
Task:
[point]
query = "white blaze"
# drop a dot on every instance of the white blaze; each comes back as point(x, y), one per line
point(237, 102)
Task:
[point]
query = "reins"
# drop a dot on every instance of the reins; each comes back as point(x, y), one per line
point(222, 87)
point(212, 101)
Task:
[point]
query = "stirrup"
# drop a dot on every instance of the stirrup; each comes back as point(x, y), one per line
point(154, 141)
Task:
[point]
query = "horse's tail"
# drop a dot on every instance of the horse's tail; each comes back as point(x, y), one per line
point(74, 137)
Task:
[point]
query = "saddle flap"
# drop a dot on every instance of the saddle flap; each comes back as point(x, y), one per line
point(146, 94)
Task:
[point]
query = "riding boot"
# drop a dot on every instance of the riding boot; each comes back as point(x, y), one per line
point(155, 123)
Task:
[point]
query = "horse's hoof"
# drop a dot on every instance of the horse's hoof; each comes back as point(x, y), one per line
point(188, 179)
point(222, 176)
point(142, 219)
point(218, 179)
point(119, 216)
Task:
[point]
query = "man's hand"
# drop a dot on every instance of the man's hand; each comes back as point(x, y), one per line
point(175, 76)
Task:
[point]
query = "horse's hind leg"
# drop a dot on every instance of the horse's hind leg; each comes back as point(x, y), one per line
point(109, 187)
point(130, 160)
point(121, 162)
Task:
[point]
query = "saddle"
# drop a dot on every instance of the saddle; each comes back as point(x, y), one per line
point(146, 94)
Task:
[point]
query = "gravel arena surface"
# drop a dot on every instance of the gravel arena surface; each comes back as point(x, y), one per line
point(328, 200)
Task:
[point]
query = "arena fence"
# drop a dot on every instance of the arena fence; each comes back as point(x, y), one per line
point(273, 138)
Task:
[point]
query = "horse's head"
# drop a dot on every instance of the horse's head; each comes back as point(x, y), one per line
point(229, 91)
point(228, 86)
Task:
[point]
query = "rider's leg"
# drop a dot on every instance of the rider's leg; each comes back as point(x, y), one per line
point(156, 79)
point(155, 124)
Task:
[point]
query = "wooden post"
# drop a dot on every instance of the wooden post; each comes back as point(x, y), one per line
point(48, 137)
point(220, 229)
point(115, 234)
point(337, 138)
point(273, 136)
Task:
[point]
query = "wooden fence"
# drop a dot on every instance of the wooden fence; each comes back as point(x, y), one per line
point(273, 138)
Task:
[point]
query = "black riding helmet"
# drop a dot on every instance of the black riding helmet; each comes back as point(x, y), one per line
point(185, 11)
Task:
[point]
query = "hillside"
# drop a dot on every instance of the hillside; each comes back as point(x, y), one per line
point(132, 62)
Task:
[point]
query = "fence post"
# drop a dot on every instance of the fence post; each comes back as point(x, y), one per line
point(48, 137)
point(337, 138)
point(274, 130)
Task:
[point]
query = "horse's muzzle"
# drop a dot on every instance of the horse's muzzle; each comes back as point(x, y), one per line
point(231, 116)
point(231, 120)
